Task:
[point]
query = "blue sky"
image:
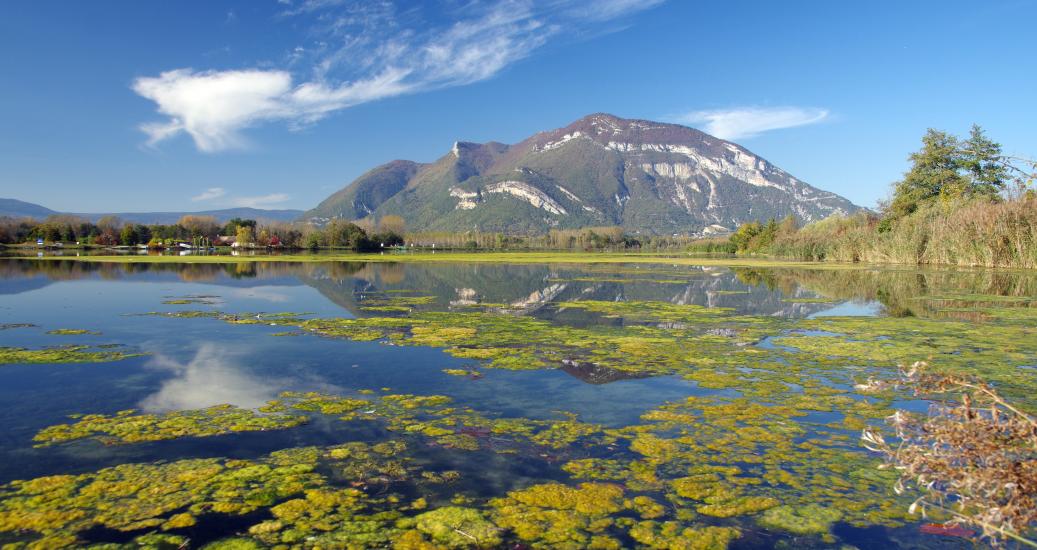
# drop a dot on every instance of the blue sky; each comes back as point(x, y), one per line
point(148, 105)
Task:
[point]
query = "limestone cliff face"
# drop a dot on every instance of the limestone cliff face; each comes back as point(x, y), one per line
point(600, 170)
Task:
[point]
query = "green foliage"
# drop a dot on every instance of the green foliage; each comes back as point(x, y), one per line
point(947, 168)
point(756, 237)
point(231, 227)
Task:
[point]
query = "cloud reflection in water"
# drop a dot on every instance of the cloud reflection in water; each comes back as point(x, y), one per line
point(212, 377)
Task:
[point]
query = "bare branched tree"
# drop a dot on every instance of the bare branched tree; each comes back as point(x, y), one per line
point(973, 456)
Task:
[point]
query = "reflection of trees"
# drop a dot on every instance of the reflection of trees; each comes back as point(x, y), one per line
point(67, 270)
point(57, 270)
point(392, 274)
point(757, 291)
point(897, 290)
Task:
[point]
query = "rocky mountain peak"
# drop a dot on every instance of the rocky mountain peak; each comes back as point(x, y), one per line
point(599, 170)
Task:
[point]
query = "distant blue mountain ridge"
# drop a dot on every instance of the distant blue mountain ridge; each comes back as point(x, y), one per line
point(13, 208)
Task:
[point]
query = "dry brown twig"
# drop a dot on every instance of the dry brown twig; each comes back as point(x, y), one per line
point(973, 456)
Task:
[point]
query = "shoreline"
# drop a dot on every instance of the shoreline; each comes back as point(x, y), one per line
point(524, 257)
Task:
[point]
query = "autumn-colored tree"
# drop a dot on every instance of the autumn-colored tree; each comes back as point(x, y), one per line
point(245, 236)
point(392, 224)
point(199, 226)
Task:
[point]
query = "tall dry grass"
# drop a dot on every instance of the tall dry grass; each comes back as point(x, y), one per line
point(978, 233)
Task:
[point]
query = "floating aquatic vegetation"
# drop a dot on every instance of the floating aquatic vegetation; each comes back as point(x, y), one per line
point(61, 354)
point(602, 469)
point(672, 535)
point(173, 495)
point(457, 527)
point(9, 326)
point(509, 342)
point(73, 332)
point(244, 318)
point(205, 299)
point(768, 437)
point(563, 434)
point(559, 516)
point(129, 426)
point(650, 311)
point(394, 303)
point(130, 497)
point(801, 520)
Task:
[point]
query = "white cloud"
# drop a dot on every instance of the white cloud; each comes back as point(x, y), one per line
point(261, 201)
point(608, 9)
point(212, 107)
point(364, 51)
point(209, 194)
point(220, 195)
point(747, 122)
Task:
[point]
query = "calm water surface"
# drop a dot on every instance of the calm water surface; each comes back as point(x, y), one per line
point(196, 363)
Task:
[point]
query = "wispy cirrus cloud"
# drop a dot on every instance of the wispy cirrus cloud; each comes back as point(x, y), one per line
point(218, 196)
point(364, 51)
point(209, 194)
point(748, 122)
point(261, 201)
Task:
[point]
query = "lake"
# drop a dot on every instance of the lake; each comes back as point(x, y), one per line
point(352, 404)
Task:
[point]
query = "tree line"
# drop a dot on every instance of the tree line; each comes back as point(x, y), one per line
point(112, 231)
point(360, 235)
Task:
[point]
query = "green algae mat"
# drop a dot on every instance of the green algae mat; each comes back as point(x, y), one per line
point(474, 404)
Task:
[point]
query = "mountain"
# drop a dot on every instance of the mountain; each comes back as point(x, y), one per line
point(367, 192)
point(13, 208)
point(601, 170)
point(167, 218)
point(20, 209)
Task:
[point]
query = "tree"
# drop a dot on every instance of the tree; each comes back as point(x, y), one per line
point(312, 240)
point(982, 161)
point(745, 234)
point(343, 234)
point(143, 233)
point(109, 224)
point(199, 226)
point(378, 240)
point(244, 236)
point(392, 224)
point(947, 168)
point(231, 228)
point(934, 172)
point(128, 236)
